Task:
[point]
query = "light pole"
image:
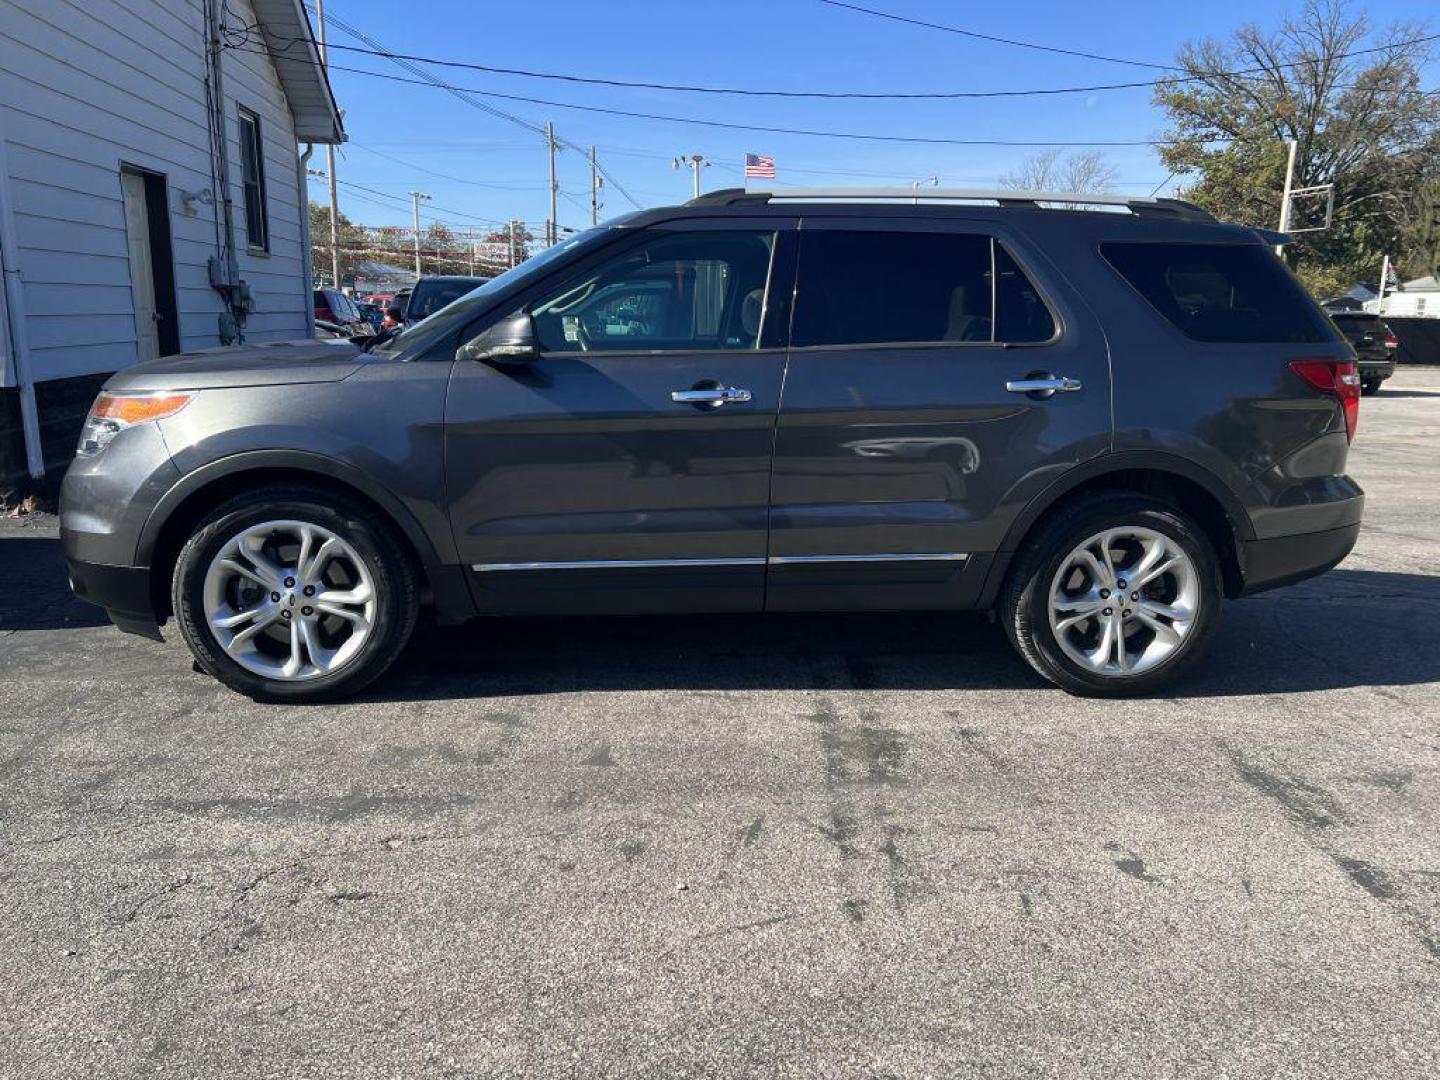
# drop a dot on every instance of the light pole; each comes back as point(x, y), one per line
point(929, 181)
point(694, 161)
point(330, 160)
point(415, 197)
point(1285, 198)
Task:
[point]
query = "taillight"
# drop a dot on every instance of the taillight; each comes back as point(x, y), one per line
point(1391, 341)
point(1340, 378)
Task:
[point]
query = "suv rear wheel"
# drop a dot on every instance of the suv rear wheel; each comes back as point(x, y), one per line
point(291, 594)
point(1116, 596)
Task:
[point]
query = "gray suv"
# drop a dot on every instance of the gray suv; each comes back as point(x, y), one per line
point(1095, 417)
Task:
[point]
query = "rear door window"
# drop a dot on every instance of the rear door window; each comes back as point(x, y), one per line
point(1220, 293)
point(876, 287)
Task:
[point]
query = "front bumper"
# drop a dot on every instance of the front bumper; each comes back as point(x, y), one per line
point(1284, 560)
point(123, 591)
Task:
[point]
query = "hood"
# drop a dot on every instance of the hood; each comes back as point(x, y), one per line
point(270, 363)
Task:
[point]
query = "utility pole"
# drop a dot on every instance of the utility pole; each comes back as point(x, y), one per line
point(1384, 280)
point(694, 161)
point(552, 226)
point(415, 197)
point(329, 161)
point(1285, 199)
point(512, 243)
point(594, 189)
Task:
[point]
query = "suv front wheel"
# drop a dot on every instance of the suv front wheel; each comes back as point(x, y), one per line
point(1116, 596)
point(294, 594)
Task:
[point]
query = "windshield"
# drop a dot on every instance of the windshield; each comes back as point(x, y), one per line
point(420, 335)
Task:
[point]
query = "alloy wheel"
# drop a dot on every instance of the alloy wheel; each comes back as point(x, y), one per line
point(289, 600)
point(1123, 601)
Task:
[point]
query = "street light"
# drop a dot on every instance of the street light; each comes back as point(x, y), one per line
point(929, 181)
point(694, 161)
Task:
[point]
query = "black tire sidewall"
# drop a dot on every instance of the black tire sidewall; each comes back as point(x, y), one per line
point(1044, 652)
point(396, 601)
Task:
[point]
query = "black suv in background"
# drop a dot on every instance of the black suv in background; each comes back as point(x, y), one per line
point(1096, 417)
point(1374, 344)
point(430, 294)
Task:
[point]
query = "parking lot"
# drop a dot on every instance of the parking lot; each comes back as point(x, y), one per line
point(841, 846)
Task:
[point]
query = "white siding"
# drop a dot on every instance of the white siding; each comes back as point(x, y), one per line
point(87, 86)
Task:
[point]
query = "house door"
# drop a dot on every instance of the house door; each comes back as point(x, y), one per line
point(152, 274)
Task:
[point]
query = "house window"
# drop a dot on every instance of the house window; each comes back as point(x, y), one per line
point(252, 170)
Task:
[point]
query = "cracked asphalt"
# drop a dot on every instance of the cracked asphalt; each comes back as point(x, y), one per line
point(794, 846)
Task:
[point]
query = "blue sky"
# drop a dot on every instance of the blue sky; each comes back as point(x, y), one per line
point(496, 168)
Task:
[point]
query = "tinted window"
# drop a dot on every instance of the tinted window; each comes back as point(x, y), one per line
point(678, 291)
point(871, 287)
point(1220, 292)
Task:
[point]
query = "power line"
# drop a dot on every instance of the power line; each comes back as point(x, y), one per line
point(999, 40)
point(408, 60)
point(446, 176)
point(819, 133)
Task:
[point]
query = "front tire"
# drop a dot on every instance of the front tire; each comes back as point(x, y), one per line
point(1116, 596)
point(294, 594)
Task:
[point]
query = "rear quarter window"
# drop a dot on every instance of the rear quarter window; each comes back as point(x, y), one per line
point(1220, 293)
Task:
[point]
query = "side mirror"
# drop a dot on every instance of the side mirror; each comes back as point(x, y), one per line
point(509, 341)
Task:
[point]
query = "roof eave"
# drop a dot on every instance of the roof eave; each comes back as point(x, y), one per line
point(291, 44)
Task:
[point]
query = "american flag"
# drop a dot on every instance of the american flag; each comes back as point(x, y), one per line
point(759, 166)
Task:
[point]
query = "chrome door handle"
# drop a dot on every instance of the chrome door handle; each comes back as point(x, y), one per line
point(1045, 387)
point(716, 396)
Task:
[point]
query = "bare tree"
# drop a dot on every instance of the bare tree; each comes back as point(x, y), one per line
point(1054, 170)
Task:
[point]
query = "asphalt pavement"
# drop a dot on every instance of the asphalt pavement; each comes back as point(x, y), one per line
point(868, 846)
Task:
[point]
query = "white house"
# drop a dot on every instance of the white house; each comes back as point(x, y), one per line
point(1416, 299)
point(152, 194)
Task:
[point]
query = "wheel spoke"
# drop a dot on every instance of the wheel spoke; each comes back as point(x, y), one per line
point(1109, 564)
point(256, 575)
point(356, 617)
point(251, 546)
point(1076, 619)
point(250, 631)
point(359, 593)
point(328, 550)
point(296, 661)
point(320, 656)
point(1167, 611)
point(1098, 574)
point(223, 621)
point(1157, 571)
point(307, 541)
point(1164, 632)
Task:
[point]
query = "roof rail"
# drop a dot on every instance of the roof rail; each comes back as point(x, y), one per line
point(1141, 206)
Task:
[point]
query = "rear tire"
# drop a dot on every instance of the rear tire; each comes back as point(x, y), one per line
point(295, 594)
point(1370, 386)
point(1063, 612)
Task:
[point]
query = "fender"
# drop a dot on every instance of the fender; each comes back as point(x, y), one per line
point(295, 460)
point(1155, 461)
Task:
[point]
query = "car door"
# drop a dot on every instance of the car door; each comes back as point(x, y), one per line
point(628, 469)
point(940, 374)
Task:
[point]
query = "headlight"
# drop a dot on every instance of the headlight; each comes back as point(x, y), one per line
point(113, 413)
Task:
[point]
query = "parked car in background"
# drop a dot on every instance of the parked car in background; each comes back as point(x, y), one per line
point(1374, 344)
point(430, 294)
point(380, 300)
point(333, 306)
point(373, 314)
point(326, 331)
point(1097, 425)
